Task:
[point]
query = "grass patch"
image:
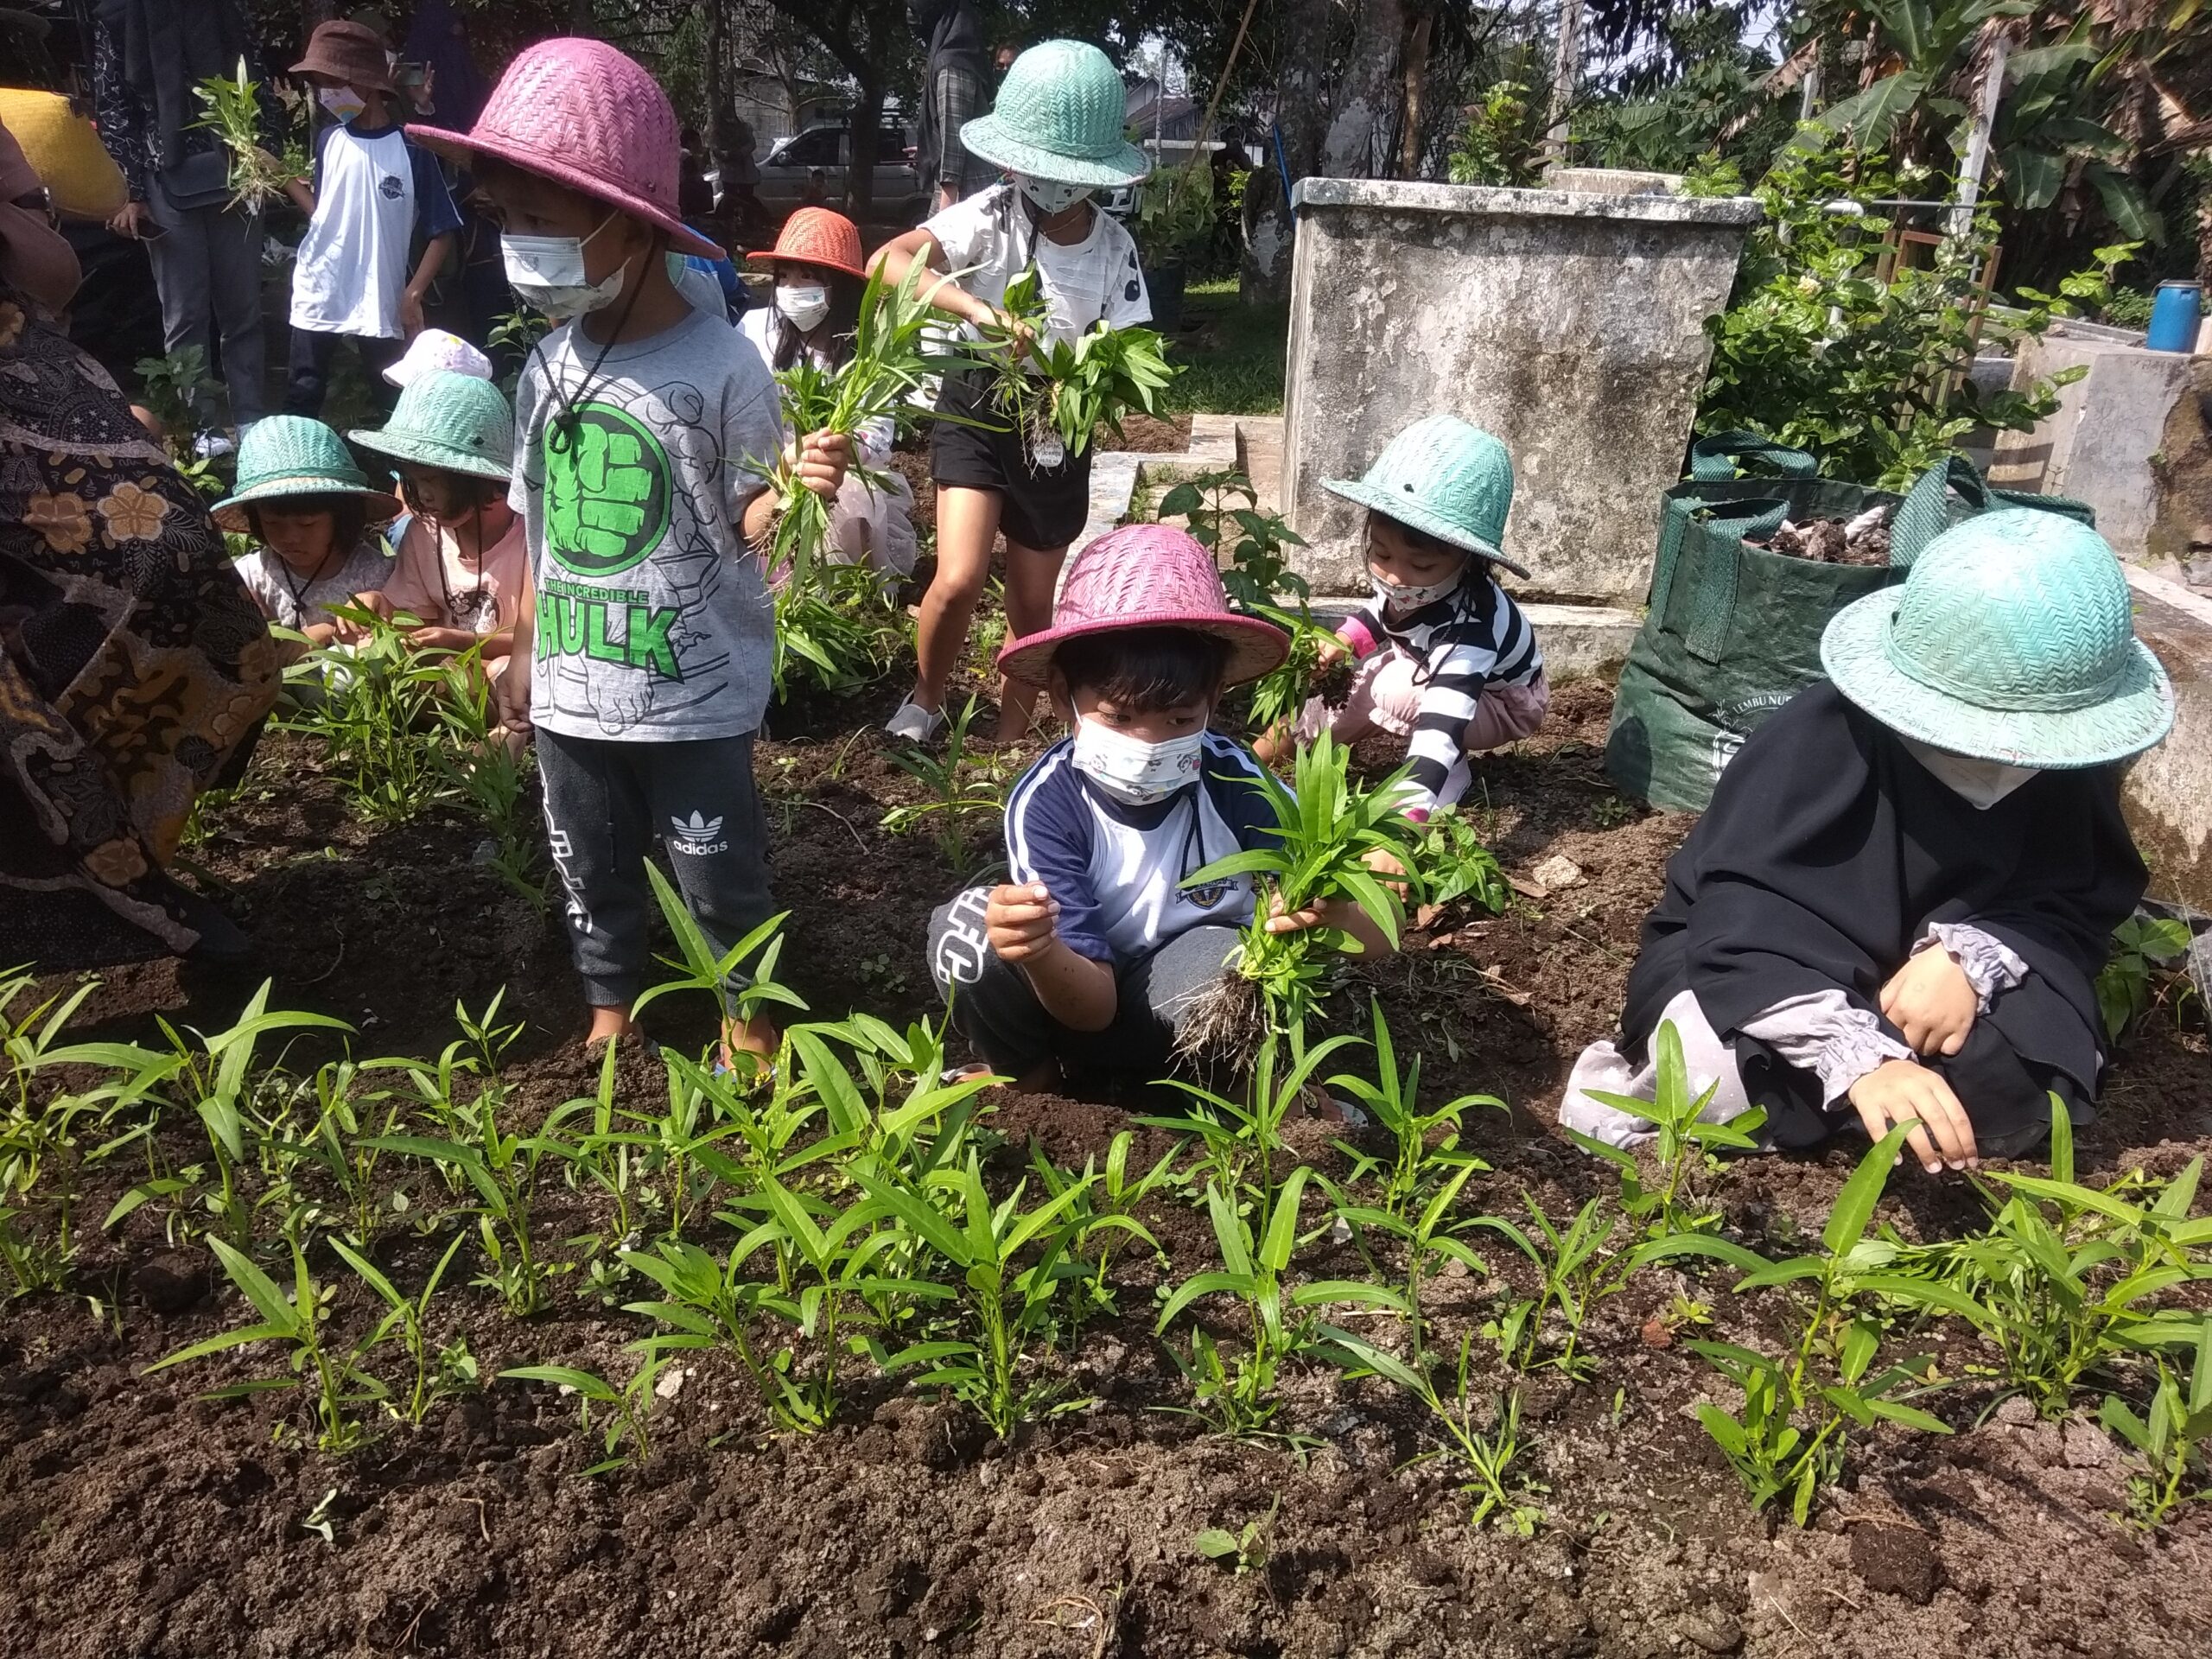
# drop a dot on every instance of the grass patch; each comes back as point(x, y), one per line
point(1233, 362)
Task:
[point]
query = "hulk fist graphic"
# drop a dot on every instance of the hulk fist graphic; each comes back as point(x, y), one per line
point(607, 491)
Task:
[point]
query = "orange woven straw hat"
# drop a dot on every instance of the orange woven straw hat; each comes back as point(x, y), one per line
point(1148, 576)
point(814, 236)
point(580, 113)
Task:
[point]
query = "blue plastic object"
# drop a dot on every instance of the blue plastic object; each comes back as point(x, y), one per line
point(2174, 316)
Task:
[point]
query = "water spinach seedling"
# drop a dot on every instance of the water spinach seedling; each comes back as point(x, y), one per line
point(626, 1409)
point(1425, 1144)
point(2173, 1441)
point(1688, 1142)
point(1247, 1548)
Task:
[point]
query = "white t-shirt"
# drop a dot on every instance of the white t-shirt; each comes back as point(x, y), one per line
point(989, 239)
point(352, 264)
point(291, 603)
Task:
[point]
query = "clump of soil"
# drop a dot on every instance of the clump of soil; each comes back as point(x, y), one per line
point(1831, 541)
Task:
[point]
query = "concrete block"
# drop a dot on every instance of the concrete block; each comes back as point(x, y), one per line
point(1581, 642)
point(2168, 792)
point(1569, 323)
point(2103, 444)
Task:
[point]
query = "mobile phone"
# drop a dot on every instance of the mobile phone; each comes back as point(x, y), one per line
point(412, 76)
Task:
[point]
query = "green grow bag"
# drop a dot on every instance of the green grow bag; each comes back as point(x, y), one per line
point(1732, 631)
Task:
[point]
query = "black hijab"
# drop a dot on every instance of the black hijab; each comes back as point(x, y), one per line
point(1828, 849)
point(952, 37)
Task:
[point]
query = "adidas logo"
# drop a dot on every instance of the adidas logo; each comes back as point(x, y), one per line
point(695, 836)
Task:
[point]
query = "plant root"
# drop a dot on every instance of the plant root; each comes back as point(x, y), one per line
point(1227, 1024)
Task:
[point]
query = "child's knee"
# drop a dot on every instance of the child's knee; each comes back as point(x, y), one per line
point(1507, 714)
point(959, 944)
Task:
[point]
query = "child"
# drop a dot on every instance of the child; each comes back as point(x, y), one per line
point(461, 560)
point(300, 495)
point(1902, 893)
point(643, 660)
point(1090, 956)
point(371, 192)
point(819, 281)
point(435, 348)
point(1058, 129)
point(1446, 659)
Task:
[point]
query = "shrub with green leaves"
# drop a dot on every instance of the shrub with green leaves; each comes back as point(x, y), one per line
point(2140, 971)
point(1220, 510)
point(1052, 390)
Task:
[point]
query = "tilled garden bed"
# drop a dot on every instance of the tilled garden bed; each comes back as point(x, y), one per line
point(147, 1522)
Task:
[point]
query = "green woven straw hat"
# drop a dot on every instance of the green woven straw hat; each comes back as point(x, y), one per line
point(291, 455)
point(451, 421)
point(1058, 116)
point(2010, 640)
point(1443, 476)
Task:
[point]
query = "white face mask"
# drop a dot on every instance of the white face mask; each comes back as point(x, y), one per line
point(1981, 783)
point(805, 303)
point(1050, 195)
point(1406, 598)
point(1132, 771)
point(548, 272)
point(343, 102)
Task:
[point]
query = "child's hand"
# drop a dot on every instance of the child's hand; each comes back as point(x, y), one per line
point(1383, 862)
point(511, 692)
point(350, 632)
point(1293, 921)
point(1898, 1091)
point(1330, 652)
point(1932, 1002)
point(822, 460)
point(1019, 921)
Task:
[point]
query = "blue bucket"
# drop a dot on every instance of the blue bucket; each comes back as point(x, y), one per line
point(2174, 316)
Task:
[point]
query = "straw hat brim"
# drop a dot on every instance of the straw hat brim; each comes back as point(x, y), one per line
point(381, 505)
point(770, 257)
point(989, 137)
point(458, 147)
point(1407, 510)
point(1255, 647)
point(427, 451)
point(1854, 650)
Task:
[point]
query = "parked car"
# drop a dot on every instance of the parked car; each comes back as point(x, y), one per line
point(809, 168)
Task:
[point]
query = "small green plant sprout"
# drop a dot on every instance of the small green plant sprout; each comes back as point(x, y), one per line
point(1327, 830)
point(1052, 390)
point(2140, 971)
point(1455, 864)
point(1572, 1262)
point(1010, 1310)
point(480, 769)
point(1425, 1144)
point(1282, 1321)
point(2172, 1441)
point(741, 992)
point(174, 386)
point(1243, 1139)
point(235, 116)
point(407, 1320)
point(1279, 695)
point(1501, 1491)
point(1788, 1437)
point(1246, 543)
point(964, 787)
point(375, 705)
point(1246, 1549)
point(840, 628)
point(1689, 1142)
point(1105, 1214)
point(339, 1383)
point(317, 1520)
point(625, 1411)
point(2067, 1281)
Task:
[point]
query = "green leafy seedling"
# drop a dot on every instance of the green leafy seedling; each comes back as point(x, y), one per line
point(1246, 1549)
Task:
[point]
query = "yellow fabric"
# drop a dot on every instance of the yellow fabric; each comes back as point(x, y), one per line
point(66, 152)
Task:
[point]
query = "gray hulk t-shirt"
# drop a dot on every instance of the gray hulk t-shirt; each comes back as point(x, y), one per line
point(652, 623)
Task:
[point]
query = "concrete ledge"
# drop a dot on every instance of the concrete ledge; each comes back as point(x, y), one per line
point(1399, 195)
point(2167, 794)
point(1581, 642)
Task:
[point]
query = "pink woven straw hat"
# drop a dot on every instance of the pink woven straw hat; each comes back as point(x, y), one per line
point(582, 114)
point(1148, 576)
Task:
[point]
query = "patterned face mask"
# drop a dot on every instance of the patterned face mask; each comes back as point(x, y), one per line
point(1406, 597)
point(1132, 771)
point(1050, 196)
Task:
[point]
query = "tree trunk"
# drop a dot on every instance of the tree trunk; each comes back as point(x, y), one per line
point(1358, 143)
point(718, 106)
point(1566, 71)
point(868, 120)
point(1419, 41)
point(580, 18)
point(1302, 121)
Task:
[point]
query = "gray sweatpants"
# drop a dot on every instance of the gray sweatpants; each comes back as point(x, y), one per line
point(207, 262)
point(606, 801)
point(994, 1006)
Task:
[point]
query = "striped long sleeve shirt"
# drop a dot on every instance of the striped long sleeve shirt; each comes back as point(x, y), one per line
point(1472, 638)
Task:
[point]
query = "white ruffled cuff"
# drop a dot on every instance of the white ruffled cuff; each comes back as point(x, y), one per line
point(1988, 962)
point(1826, 1034)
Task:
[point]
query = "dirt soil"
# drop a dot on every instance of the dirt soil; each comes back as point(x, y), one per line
point(1824, 541)
point(144, 1521)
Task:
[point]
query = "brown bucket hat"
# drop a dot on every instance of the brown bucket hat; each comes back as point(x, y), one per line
point(349, 53)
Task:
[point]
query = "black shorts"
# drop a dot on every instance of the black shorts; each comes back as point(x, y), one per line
point(1040, 507)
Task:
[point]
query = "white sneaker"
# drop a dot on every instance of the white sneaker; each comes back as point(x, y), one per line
point(913, 723)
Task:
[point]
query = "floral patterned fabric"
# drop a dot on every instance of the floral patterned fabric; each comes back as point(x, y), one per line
point(133, 666)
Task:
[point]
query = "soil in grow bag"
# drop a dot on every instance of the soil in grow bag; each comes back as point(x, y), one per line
point(1831, 541)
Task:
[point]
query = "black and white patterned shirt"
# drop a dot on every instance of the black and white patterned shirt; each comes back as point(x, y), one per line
point(1472, 638)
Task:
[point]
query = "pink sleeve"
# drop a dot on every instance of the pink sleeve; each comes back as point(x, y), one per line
point(1353, 631)
point(408, 589)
